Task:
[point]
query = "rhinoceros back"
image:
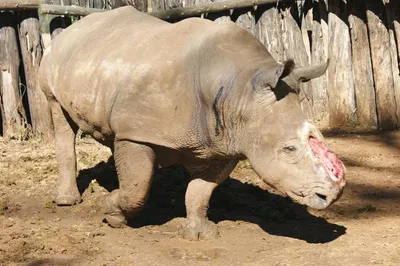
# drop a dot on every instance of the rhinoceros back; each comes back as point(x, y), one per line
point(118, 71)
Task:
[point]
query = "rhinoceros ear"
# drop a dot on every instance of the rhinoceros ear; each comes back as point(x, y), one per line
point(270, 78)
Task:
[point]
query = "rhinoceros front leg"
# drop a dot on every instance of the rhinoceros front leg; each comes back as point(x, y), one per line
point(135, 165)
point(198, 194)
point(65, 130)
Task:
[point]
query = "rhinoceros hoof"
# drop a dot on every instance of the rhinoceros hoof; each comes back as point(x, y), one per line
point(67, 200)
point(199, 231)
point(115, 220)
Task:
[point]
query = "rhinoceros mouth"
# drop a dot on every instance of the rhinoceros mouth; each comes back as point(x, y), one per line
point(316, 200)
point(328, 160)
point(319, 201)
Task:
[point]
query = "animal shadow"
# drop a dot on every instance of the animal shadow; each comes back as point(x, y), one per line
point(232, 200)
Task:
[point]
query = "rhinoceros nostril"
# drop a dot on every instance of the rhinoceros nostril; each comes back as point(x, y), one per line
point(323, 197)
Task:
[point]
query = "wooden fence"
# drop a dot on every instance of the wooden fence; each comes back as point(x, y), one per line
point(360, 91)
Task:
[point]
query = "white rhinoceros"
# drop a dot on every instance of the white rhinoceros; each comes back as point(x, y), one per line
point(195, 93)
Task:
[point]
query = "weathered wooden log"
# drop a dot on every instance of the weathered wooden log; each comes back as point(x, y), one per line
point(18, 4)
point(111, 4)
point(395, 8)
point(1, 114)
point(52, 25)
point(245, 18)
point(319, 55)
point(12, 110)
point(67, 10)
point(101, 4)
point(32, 51)
point(393, 15)
point(307, 25)
point(268, 31)
point(159, 5)
point(362, 67)
point(342, 107)
point(381, 64)
point(58, 24)
point(171, 14)
point(83, 3)
point(220, 17)
point(293, 48)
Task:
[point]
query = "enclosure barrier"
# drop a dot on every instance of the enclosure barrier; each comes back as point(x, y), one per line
point(360, 91)
point(171, 14)
point(19, 4)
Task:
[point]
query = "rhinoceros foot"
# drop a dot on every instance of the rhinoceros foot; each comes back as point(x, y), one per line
point(114, 215)
point(115, 220)
point(67, 199)
point(200, 230)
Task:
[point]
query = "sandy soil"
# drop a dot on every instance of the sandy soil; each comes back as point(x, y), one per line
point(257, 227)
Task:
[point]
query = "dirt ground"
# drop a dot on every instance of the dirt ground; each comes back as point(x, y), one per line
point(257, 227)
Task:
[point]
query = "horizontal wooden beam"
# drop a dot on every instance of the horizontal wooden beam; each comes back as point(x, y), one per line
point(170, 14)
point(19, 4)
point(214, 7)
point(67, 10)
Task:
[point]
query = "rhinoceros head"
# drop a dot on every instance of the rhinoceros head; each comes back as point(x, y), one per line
point(285, 150)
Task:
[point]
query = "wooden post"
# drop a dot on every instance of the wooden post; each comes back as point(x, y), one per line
point(362, 67)
point(12, 111)
point(156, 5)
point(52, 25)
point(32, 51)
point(395, 7)
point(138, 4)
point(307, 25)
point(294, 48)
point(342, 107)
point(101, 4)
point(161, 5)
point(381, 64)
point(80, 2)
point(220, 17)
point(245, 18)
point(268, 31)
point(58, 23)
point(393, 15)
point(319, 55)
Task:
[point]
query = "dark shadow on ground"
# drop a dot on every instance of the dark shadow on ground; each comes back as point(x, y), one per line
point(49, 262)
point(232, 200)
point(362, 200)
point(349, 162)
point(373, 194)
point(389, 138)
point(104, 173)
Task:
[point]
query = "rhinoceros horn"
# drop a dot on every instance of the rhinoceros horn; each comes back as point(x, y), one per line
point(304, 74)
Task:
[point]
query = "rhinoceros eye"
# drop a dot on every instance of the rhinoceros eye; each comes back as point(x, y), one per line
point(289, 149)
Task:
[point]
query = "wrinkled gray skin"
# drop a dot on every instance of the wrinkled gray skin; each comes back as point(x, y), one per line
point(195, 93)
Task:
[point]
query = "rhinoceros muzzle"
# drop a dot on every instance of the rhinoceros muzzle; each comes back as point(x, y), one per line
point(331, 170)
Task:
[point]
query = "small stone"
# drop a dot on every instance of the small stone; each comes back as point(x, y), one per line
point(9, 222)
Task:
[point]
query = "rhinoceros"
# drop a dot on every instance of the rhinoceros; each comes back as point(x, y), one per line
point(194, 93)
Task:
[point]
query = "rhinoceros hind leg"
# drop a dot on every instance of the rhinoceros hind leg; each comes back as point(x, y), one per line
point(135, 165)
point(198, 194)
point(67, 192)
